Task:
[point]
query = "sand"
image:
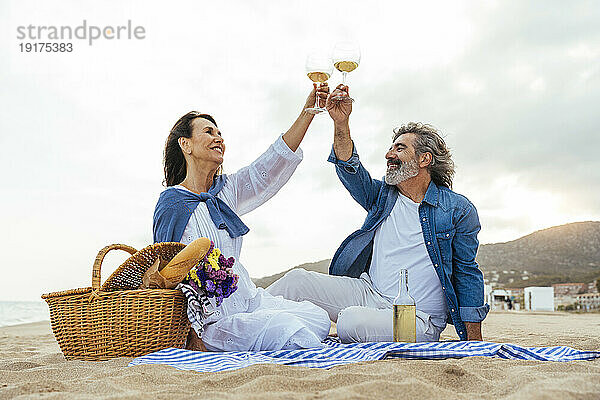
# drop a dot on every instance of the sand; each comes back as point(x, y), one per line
point(32, 366)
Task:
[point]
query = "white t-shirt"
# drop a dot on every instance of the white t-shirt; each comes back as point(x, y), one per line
point(398, 244)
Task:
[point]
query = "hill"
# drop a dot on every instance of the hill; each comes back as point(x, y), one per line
point(319, 266)
point(565, 253)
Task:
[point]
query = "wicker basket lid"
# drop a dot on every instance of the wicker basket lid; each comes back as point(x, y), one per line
point(129, 275)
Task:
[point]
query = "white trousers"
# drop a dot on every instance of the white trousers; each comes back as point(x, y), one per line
point(361, 313)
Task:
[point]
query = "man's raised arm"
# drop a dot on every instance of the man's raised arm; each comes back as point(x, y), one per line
point(340, 113)
point(352, 174)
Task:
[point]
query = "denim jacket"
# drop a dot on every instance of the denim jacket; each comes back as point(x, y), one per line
point(450, 225)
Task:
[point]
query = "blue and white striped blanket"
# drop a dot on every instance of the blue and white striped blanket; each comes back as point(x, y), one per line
point(335, 353)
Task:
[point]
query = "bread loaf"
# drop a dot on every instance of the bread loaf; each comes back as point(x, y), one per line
point(186, 259)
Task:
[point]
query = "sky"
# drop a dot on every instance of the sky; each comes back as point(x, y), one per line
point(514, 88)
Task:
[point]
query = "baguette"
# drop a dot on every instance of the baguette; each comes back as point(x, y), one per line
point(186, 259)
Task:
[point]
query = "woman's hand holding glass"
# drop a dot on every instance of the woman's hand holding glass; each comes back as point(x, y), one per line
point(318, 69)
point(319, 91)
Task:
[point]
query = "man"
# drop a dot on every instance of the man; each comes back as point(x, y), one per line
point(414, 221)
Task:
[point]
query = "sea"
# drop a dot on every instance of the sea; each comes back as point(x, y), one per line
point(23, 312)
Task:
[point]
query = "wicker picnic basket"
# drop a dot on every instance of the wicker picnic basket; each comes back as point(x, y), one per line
point(118, 319)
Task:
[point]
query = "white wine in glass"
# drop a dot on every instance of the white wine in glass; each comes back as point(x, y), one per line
point(318, 77)
point(318, 69)
point(346, 57)
point(345, 66)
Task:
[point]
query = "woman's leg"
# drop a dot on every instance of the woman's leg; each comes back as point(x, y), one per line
point(331, 293)
point(269, 329)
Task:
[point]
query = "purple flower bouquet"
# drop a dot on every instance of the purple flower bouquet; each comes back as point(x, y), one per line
point(213, 275)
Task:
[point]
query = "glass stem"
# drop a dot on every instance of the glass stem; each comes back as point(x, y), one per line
point(344, 77)
point(317, 95)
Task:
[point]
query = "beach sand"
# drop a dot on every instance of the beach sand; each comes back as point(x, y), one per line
point(32, 366)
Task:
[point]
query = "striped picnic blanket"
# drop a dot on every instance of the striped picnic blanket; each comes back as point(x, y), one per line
point(335, 353)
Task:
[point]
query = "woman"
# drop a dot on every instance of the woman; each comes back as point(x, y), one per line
point(200, 202)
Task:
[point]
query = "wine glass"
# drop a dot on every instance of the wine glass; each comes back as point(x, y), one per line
point(346, 57)
point(318, 68)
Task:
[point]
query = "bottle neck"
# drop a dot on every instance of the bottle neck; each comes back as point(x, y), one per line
point(403, 298)
point(403, 285)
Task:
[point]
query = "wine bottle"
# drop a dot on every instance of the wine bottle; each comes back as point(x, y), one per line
point(405, 314)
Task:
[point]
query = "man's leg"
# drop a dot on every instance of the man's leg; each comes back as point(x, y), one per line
point(332, 293)
point(362, 324)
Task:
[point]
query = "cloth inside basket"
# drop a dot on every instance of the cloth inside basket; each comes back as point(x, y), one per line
point(336, 353)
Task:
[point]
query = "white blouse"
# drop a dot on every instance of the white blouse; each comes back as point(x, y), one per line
point(244, 191)
point(251, 309)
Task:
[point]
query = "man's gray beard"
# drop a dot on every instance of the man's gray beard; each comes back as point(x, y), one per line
point(406, 171)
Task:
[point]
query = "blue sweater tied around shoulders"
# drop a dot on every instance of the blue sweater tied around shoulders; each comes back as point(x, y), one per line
point(175, 207)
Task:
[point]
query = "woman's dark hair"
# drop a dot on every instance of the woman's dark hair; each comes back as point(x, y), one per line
point(174, 161)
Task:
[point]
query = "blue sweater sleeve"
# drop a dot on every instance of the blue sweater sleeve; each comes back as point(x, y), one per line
point(171, 216)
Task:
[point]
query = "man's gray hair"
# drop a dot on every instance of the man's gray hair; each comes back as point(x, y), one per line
point(428, 140)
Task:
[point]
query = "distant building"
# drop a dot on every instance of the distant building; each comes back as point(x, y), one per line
point(563, 300)
point(588, 301)
point(592, 287)
point(569, 288)
point(539, 298)
point(516, 292)
point(487, 294)
point(503, 299)
point(499, 299)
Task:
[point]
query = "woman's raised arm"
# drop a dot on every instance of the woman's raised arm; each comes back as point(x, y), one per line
point(258, 182)
point(293, 137)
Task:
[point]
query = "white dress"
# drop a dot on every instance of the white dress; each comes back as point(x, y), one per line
point(251, 318)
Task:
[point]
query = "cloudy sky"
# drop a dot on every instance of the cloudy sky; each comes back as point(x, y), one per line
point(514, 87)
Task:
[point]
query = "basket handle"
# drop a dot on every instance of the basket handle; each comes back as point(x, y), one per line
point(100, 258)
